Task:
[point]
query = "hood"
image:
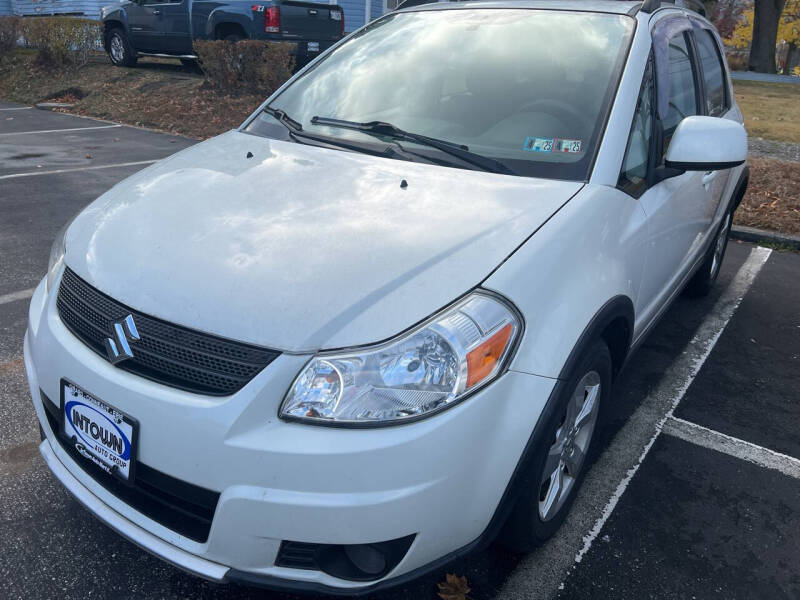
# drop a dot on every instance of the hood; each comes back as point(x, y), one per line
point(300, 248)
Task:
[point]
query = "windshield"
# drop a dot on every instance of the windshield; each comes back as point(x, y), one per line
point(527, 88)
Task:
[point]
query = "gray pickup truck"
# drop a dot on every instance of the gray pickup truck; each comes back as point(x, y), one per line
point(136, 28)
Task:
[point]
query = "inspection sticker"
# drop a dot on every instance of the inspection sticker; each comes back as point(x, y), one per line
point(570, 146)
point(537, 144)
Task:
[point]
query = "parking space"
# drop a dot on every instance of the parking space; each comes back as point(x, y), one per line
point(750, 388)
point(696, 523)
point(695, 492)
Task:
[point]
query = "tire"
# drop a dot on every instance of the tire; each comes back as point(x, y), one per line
point(119, 48)
point(703, 280)
point(563, 453)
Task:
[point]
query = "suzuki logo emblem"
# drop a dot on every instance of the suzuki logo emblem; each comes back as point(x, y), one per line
point(118, 347)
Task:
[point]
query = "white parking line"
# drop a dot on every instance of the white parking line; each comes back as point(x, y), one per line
point(72, 169)
point(59, 130)
point(18, 108)
point(14, 296)
point(715, 440)
point(539, 575)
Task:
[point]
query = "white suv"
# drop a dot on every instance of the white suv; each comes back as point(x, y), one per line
point(378, 323)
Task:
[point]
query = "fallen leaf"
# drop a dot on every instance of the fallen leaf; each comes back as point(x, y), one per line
point(88, 156)
point(454, 588)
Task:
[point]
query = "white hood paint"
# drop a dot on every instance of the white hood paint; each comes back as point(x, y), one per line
point(301, 248)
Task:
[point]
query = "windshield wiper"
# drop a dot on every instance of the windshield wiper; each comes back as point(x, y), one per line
point(460, 151)
point(297, 133)
point(283, 118)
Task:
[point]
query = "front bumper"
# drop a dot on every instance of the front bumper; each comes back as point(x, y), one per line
point(440, 479)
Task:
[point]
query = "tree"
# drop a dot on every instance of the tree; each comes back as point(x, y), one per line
point(789, 32)
point(725, 14)
point(765, 35)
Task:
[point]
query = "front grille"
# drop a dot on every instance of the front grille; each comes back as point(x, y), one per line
point(170, 354)
point(184, 508)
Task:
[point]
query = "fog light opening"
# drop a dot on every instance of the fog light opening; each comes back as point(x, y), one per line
point(354, 562)
point(366, 558)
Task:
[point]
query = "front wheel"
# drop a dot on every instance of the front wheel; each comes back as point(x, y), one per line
point(561, 458)
point(701, 282)
point(119, 49)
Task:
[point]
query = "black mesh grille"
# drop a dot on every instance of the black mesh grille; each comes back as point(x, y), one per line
point(297, 555)
point(166, 353)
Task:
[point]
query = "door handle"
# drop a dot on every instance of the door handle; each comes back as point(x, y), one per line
point(709, 177)
point(156, 12)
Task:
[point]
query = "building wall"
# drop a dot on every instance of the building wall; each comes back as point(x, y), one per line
point(89, 8)
point(5, 7)
point(354, 11)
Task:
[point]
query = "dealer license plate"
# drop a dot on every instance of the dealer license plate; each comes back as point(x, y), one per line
point(98, 431)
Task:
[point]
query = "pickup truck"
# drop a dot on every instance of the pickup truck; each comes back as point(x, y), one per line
point(136, 28)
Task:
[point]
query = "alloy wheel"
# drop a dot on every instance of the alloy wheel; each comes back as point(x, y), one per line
point(567, 454)
point(117, 49)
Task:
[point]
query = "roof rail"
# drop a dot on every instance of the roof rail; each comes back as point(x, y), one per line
point(650, 6)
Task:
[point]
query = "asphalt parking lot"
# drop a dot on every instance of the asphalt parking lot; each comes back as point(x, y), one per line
point(695, 493)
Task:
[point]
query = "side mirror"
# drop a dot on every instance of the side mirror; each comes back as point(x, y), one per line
point(706, 144)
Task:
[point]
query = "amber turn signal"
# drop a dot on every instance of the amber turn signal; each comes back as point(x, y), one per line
point(482, 360)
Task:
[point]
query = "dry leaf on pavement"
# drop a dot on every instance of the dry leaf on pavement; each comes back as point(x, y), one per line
point(454, 588)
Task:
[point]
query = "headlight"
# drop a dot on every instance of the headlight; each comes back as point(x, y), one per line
point(421, 372)
point(57, 252)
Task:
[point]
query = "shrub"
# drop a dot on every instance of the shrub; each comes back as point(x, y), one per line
point(10, 31)
point(737, 60)
point(247, 66)
point(61, 42)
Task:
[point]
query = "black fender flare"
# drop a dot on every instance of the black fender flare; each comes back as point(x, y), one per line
point(117, 15)
point(741, 187)
point(222, 15)
point(620, 306)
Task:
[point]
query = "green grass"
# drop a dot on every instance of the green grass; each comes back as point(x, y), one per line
point(771, 110)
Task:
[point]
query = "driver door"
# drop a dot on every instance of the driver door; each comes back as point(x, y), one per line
point(143, 23)
point(679, 207)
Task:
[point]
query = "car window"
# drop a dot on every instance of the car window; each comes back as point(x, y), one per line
point(682, 90)
point(527, 87)
point(633, 177)
point(713, 73)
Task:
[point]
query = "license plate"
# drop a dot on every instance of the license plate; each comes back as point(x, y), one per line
point(313, 46)
point(99, 432)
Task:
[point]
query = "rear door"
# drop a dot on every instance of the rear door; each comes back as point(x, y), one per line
point(143, 24)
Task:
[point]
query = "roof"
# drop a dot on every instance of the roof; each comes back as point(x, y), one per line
point(618, 7)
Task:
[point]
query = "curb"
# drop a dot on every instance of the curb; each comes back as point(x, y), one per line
point(52, 105)
point(751, 234)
